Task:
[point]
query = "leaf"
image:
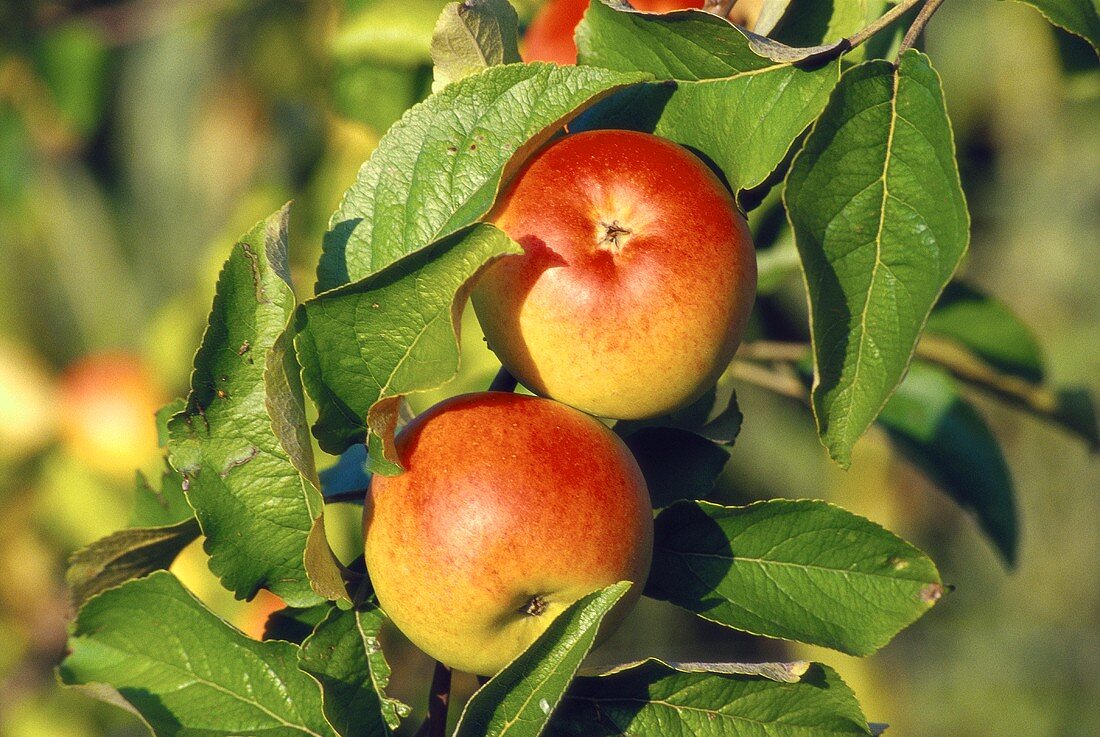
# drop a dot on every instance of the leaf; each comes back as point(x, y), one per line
point(126, 554)
point(715, 94)
point(364, 345)
point(293, 624)
point(802, 570)
point(681, 455)
point(239, 441)
point(152, 647)
point(1080, 17)
point(881, 225)
point(157, 508)
point(438, 169)
point(344, 655)
point(472, 35)
point(653, 699)
point(809, 23)
point(790, 672)
point(987, 329)
point(677, 464)
point(945, 437)
point(519, 700)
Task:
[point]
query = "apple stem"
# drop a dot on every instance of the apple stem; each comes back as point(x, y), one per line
point(503, 382)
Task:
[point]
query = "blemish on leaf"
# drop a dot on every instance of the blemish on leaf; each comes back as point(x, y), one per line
point(253, 451)
point(897, 563)
point(931, 593)
point(544, 705)
point(254, 265)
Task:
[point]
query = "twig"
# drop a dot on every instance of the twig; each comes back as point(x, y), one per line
point(780, 382)
point(1034, 398)
point(870, 30)
point(503, 382)
point(770, 350)
point(918, 25)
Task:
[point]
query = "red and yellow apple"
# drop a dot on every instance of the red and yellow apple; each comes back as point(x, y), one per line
point(550, 35)
point(108, 403)
point(510, 509)
point(637, 278)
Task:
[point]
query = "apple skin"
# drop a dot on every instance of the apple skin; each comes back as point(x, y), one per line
point(631, 323)
point(550, 35)
point(510, 509)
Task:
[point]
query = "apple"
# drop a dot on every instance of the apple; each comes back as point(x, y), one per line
point(637, 278)
point(510, 509)
point(550, 35)
point(108, 403)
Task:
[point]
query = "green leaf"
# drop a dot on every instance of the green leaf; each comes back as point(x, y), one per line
point(164, 414)
point(364, 345)
point(519, 700)
point(152, 647)
point(473, 35)
point(157, 508)
point(344, 656)
point(239, 443)
point(438, 169)
point(653, 699)
point(1081, 17)
point(802, 570)
point(881, 225)
point(945, 436)
point(676, 463)
point(988, 330)
point(381, 31)
point(740, 109)
point(294, 624)
point(124, 555)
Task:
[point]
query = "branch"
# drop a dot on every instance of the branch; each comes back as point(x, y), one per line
point(919, 23)
point(1036, 399)
point(895, 12)
point(780, 382)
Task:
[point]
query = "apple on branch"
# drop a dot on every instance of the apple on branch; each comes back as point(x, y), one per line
point(637, 279)
point(510, 509)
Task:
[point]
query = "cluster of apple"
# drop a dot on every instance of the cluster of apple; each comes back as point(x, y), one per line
point(631, 296)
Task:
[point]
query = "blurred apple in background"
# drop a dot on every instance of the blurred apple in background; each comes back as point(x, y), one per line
point(28, 417)
point(107, 407)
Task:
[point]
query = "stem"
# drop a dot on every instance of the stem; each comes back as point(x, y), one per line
point(503, 382)
point(919, 23)
point(895, 12)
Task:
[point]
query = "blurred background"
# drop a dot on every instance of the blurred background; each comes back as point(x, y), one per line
point(138, 139)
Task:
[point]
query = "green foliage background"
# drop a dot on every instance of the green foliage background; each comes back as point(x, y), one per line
point(138, 139)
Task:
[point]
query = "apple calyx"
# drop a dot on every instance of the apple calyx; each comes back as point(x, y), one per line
point(535, 606)
point(613, 236)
